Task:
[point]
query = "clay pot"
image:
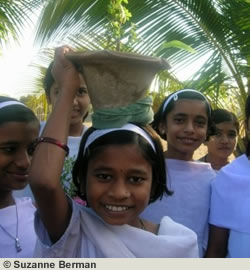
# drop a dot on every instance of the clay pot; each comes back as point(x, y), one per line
point(116, 79)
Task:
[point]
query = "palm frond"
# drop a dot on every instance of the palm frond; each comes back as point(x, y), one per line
point(14, 15)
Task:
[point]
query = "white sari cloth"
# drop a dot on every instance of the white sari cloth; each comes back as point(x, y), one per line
point(88, 236)
point(189, 205)
point(230, 205)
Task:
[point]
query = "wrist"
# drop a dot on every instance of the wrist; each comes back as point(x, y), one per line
point(68, 91)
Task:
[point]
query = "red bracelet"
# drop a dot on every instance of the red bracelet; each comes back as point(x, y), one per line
point(53, 141)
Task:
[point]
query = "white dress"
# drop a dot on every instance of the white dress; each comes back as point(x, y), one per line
point(66, 176)
point(88, 236)
point(230, 205)
point(189, 205)
point(26, 232)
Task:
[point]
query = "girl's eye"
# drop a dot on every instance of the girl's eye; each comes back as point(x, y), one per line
point(8, 149)
point(179, 120)
point(135, 179)
point(201, 123)
point(232, 134)
point(218, 134)
point(103, 176)
point(82, 91)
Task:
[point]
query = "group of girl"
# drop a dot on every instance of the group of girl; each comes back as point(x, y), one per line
point(135, 193)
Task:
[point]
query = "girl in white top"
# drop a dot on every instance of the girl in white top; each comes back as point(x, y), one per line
point(19, 128)
point(230, 211)
point(118, 171)
point(77, 128)
point(80, 109)
point(183, 120)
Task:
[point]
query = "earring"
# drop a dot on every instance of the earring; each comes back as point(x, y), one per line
point(162, 131)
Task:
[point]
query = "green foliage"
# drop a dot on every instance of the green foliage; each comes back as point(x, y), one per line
point(117, 37)
point(175, 44)
point(66, 177)
point(38, 104)
point(13, 16)
point(217, 29)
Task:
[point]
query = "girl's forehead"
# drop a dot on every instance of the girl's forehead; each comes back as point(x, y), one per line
point(190, 105)
point(131, 150)
point(118, 148)
point(125, 156)
point(225, 125)
point(18, 129)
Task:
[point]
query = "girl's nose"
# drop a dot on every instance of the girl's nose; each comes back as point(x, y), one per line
point(224, 138)
point(189, 127)
point(119, 191)
point(23, 160)
point(75, 102)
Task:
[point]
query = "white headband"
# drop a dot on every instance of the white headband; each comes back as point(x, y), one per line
point(9, 103)
point(100, 132)
point(175, 98)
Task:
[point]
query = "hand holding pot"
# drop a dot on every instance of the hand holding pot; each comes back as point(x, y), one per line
point(64, 72)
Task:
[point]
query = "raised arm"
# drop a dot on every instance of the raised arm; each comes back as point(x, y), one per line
point(48, 159)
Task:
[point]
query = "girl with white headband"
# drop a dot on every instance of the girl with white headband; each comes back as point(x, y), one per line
point(118, 171)
point(183, 120)
point(19, 128)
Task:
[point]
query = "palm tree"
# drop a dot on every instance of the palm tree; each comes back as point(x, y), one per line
point(13, 16)
point(220, 27)
point(216, 29)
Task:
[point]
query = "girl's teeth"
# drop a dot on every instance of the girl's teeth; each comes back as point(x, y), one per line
point(116, 208)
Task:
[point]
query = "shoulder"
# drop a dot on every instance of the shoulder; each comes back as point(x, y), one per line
point(237, 170)
point(193, 170)
point(239, 165)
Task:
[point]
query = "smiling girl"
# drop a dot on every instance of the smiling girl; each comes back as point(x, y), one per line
point(118, 172)
point(77, 128)
point(183, 120)
point(19, 128)
point(222, 143)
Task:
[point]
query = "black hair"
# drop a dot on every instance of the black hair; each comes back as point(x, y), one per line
point(161, 115)
point(118, 137)
point(247, 114)
point(16, 112)
point(221, 116)
point(49, 80)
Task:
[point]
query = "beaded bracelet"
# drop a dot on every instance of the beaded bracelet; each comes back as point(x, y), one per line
point(52, 141)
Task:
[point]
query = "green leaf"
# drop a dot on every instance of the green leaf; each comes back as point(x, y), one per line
point(175, 44)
